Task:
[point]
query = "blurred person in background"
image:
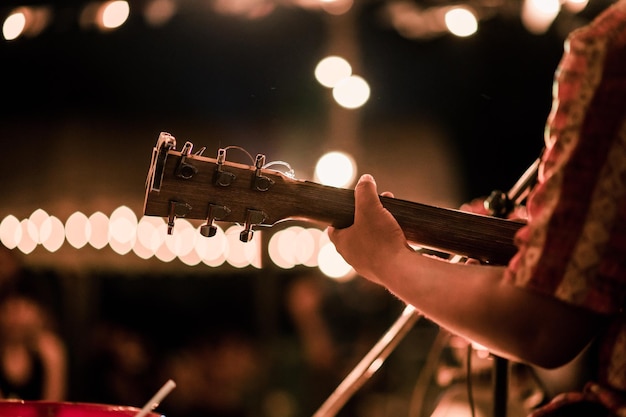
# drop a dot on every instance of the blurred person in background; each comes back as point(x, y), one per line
point(33, 358)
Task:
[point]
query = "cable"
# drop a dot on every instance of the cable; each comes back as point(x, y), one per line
point(470, 392)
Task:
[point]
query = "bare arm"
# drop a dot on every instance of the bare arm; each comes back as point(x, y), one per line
point(469, 300)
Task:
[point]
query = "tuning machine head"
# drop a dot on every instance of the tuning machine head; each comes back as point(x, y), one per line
point(185, 170)
point(221, 177)
point(216, 212)
point(176, 209)
point(253, 218)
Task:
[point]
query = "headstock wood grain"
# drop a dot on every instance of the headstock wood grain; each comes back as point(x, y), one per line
point(182, 184)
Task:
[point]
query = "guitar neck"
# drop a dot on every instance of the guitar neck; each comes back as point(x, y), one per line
point(196, 187)
point(476, 236)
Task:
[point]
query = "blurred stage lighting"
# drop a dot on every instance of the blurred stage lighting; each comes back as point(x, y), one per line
point(26, 21)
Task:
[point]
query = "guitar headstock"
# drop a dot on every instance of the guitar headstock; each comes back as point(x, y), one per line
point(187, 185)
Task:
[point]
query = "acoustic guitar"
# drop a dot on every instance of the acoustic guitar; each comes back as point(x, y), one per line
point(182, 184)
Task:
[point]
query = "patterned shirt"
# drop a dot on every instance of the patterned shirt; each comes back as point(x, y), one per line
point(574, 244)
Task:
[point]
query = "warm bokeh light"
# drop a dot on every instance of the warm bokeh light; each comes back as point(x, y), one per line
point(336, 169)
point(191, 258)
point(460, 21)
point(242, 254)
point(351, 92)
point(538, 15)
point(332, 69)
point(148, 237)
point(52, 233)
point(37, 218)
point(159, 12)
point(14, 25)
point(77, 230)
point(183, 238)
point(295, 245)
point(336, 7)
point(280, 248)
point(317, 235)
point(332, 264)
point(26, 21)
point(122, 230)
point(27, 243)
point(10, 231)
point(105, 16)
point(575, 6)
point(250, 9)
point(141, 251)
point(151, 232)
point(164, 254)
point(305, 246)
point(212, 250)
point(99, 225)
point(115, 14)
point(121, 248)
point(123, 224)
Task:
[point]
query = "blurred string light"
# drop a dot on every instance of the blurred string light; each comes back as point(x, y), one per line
point(461, 21)
point(413, 21)
point(408, 17)
point(332, 69)
point(337, 169)
point(575, 6)
point(348, 90)
point(147, 237)
point(28, 21)
point(159, 12)
point(105, 15)
point(538, 15)
point(336, 7)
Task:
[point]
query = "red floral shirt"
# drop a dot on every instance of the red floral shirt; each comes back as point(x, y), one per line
point(574, 245)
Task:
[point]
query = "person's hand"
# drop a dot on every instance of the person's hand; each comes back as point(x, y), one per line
point(375, 238)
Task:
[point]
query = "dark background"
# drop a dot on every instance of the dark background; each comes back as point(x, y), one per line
point(449, 119)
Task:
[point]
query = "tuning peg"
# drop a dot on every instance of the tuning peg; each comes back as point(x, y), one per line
point(222, 178)
point(215, 213)
point(253, 218)
point(184, 169)
point(261, 182)
point(177, 209)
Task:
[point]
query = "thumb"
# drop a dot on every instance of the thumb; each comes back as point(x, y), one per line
point(366, 197)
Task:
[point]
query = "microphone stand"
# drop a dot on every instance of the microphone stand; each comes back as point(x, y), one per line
point(499, 204)
point(370, 363)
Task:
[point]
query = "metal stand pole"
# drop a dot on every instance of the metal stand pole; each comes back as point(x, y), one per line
point(369, 364)
point(501, 205)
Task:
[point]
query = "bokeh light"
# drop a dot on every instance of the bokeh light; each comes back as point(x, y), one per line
point(351, 92)
point(147, 237)
point(461, 22)
point(114, 14)
point(14, 25)
point(331, 70)
point(337, 169)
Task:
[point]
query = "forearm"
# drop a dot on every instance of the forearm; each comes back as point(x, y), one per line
point(548, 334)
point(470, 300)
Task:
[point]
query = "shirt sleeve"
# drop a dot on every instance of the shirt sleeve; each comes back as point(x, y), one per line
point(574, 244)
